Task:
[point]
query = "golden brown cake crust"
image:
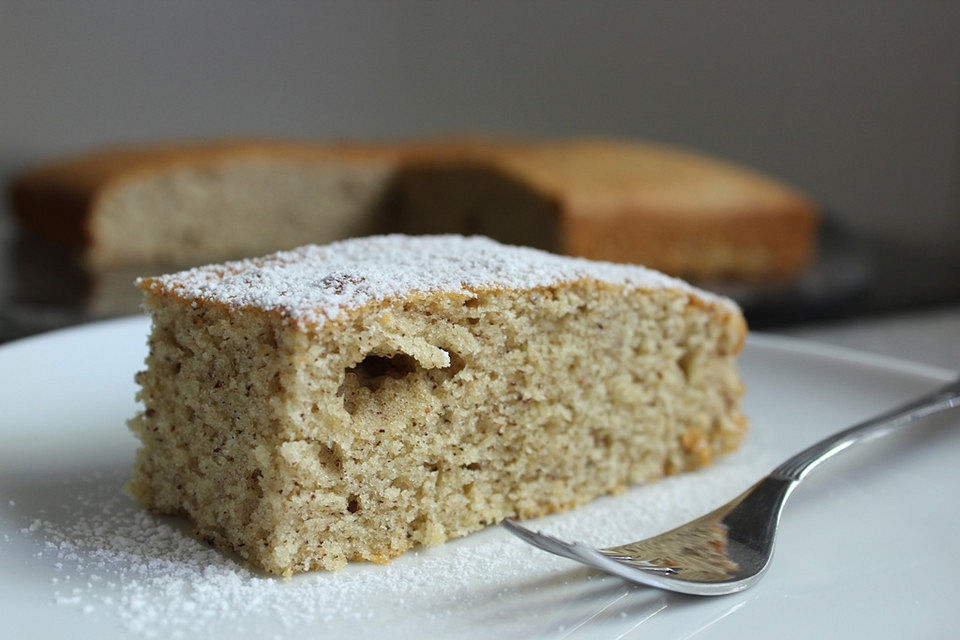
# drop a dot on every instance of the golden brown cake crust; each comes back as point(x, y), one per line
point(673, 210)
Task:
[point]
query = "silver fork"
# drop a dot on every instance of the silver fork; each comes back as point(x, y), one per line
point(729, 549)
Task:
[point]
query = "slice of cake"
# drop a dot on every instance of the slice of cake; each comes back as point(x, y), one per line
point(348, 402)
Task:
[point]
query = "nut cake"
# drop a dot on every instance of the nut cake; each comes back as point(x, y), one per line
point(350, 401)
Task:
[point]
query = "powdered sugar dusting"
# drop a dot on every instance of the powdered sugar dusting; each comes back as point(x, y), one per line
point(114, 562)
point(314, 284)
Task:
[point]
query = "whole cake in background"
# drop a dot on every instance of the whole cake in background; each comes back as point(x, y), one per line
point(352, 401)
point(678, 211)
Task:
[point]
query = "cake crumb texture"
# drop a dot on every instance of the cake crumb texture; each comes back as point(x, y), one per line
point(349, 402)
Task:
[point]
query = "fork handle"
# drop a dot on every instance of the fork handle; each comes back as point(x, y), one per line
point(797, 467)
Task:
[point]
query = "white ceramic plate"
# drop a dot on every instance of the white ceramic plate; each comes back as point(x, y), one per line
point(868, 546)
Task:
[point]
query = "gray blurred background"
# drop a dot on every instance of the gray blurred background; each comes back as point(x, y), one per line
point(858, 103)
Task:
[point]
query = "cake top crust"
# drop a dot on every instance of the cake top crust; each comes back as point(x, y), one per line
point(312, 285)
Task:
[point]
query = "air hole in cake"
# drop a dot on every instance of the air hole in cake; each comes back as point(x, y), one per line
point(330, 457)
point(602, 439)
point(456, 365)
point(375, 371)
point(353, 504)
point(686, 363)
